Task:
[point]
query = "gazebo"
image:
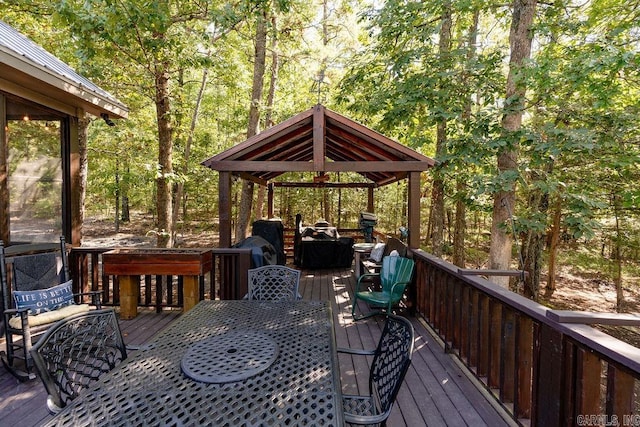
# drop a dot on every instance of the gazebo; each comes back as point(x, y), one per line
point(35, 85)
point(319, 141)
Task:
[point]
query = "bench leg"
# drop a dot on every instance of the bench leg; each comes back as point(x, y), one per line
point(129, 295)
point(190, 292)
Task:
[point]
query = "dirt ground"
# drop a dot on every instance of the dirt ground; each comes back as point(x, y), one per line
point(573, 291)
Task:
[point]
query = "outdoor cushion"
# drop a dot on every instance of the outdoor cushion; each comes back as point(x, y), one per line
point(50, 316)
point(43, 300)
point(377, 252)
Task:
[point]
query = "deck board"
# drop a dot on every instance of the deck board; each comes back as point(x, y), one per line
point(436, 392)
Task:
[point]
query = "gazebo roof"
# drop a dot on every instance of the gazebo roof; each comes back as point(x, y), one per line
point(320, 140)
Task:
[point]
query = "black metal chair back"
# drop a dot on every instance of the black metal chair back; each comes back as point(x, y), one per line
point(391, 360)
point(75, 352)
point(274, 283)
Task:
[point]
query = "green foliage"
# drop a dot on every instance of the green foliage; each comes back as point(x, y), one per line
point(578, 144)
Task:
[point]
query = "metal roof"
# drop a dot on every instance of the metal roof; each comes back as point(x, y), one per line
point(320, 140)
point(21, 59)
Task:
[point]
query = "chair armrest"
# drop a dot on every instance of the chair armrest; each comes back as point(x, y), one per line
point(16, 311)
point(365, 419)
point(403, 284)
point(363, 276)
point(356, 351)
point(95, 297)
point(22, 312)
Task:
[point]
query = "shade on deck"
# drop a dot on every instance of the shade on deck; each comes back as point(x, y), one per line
point(435, 391)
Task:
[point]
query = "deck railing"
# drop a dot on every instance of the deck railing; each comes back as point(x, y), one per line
point(226, 280)
point(545, 373)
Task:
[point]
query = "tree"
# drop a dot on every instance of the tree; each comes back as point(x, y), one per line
point(246, 194)
point(520, 39)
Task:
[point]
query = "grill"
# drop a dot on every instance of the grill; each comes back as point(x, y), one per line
point(367, 222)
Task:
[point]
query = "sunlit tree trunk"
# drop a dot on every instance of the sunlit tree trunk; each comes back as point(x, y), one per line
point(460, 224)
point(520, 38)
point(268, 119)
point(181, 196)
point(437, 194)
point(165, 153)
point(246, 196)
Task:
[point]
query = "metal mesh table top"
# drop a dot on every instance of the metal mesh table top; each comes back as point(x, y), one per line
point(301, 386)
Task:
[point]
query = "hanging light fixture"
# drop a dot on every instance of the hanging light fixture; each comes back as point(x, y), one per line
point(107, 120)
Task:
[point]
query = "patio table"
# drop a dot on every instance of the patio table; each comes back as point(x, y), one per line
point(244, 363)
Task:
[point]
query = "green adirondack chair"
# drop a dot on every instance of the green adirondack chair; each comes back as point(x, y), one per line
point(394, 275)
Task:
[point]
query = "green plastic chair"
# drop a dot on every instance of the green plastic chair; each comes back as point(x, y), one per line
point(394, 275)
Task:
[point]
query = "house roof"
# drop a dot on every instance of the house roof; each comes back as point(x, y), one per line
point(320, 140)
point(29, 71)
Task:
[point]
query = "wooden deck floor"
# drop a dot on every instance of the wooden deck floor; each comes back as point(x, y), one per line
point(436, 392)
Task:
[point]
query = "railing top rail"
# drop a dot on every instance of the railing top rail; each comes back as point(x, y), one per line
point(609, 347)
point(216, 251)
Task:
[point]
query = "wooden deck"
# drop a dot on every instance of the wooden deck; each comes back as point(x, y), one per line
point(436, 391)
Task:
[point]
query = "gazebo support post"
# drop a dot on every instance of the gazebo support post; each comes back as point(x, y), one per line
point(224, 209)
point(370, 199)
point(414, 210)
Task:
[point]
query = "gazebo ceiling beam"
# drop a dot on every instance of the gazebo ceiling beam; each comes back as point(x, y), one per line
point(326, 184)
point(357, 149)
point(306, 166)
point(276, 147)
point(252, 177)
point(359, 131)
point(274, 133)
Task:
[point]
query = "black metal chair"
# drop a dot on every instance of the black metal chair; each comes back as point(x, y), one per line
point(391, 359)
point(274, 283)
point(75, 352)
point(36, 293)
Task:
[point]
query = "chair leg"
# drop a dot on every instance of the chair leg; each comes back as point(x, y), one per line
point(21, 375)
point(364, 316)
point(10, 358)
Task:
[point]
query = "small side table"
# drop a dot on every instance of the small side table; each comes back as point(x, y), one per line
point(361, 249)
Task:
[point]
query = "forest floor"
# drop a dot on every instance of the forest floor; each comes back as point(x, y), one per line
point(574, 290)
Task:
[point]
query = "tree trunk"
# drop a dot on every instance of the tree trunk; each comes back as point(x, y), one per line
point(616, 253)
point(246, 196)
point(268, 119)
point(520, 39)
point(532, 247)
point(554, 239)
point(181, 196)
point(437, 194)
point(460, 225)
point(165, 152)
